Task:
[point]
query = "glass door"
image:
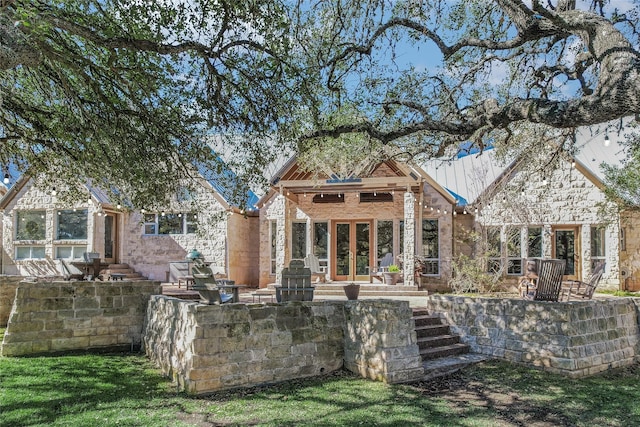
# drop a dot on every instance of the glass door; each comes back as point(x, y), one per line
point(566, 245)
point(352, 254)
point(110, 238)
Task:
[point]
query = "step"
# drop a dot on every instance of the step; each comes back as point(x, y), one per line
point(447, 365)
point(438, 341)
point(432, 330)
point(427, 320)
point(421, 311)
point(444, 351)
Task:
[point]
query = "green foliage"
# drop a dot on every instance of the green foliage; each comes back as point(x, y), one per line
point(393, 268)
point(123, 93)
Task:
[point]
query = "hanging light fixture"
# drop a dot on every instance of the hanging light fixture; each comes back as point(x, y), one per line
point(544, 181)
point(607, 141)
point(53, 191)
point(6, 178)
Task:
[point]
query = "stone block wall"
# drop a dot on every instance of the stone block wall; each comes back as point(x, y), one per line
point(380, 341)
point(575, 339)
point(206, 348)
point(65, 316)
point(8, 286)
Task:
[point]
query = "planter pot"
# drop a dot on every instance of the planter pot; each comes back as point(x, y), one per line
point(351, 291)
point(391, 278)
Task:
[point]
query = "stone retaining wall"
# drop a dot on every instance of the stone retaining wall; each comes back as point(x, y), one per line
point(65, 316)
point(8, 286)
point(206, 348)
point(576, 339)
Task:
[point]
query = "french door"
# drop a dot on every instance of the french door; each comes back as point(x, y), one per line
point(566, 245)
point(351, 250)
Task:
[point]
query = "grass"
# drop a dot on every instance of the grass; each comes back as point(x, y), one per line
point(126, 390)
point(618, 293)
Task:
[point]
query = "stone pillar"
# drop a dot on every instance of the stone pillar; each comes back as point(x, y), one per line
point(281, 226)
point(408, 250)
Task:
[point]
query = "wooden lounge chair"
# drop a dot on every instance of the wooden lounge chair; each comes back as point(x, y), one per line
point(205, 283)
point(296, 283)
point(584, 290)
point(549, 283)
point(383, 265)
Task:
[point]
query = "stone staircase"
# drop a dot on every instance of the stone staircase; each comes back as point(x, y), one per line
point(129, 273)
point(441, 350)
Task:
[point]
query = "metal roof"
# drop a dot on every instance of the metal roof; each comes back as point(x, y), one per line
point(467, 176)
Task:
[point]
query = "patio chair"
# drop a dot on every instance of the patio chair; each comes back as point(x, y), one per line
point(205, 283)
point(311, 262)
point(296, 283)
point(91, 259)
point(549, 283)
point(584, 290)
point(383, 266)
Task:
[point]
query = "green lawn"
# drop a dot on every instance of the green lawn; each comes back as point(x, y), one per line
point(126, 390)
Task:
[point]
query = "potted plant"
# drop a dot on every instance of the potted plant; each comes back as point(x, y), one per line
point(351, 291)
point(391, 275)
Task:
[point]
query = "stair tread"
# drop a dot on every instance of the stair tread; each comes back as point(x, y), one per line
point(437, 337)
point(444, 348)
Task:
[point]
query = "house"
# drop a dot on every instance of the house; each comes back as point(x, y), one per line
point(38, 228)
point(532, 207)
point(350, 222)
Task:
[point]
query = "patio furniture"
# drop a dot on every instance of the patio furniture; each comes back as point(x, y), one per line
point(312, 263)
point(584, 290)
point(91, 259)
point(549, 283)
point(383, 266)
point(205, 283)
point(530, 278)
point(296, 283)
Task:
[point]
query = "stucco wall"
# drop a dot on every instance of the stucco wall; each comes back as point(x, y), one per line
point(207, 348)
point(244, 248)
point(65, 316)
point(630, 255)
point(575, 339)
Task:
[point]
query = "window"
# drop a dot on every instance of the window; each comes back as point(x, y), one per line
point(170, 223)
point(30, 225)
point(72, 224)
point(298, 240)
point(430, 247)
point(70, 252)
point(321, 243)
point(494, 250)
point(273, 233)
point(29, 252)
point(385, 238)
point(328, 198)
point(375, 197)
point(597, 246)
point(534, 242)
point(623, 239)
point(514, 253)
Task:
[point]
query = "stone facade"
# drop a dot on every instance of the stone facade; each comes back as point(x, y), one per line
point(8, 286)
point(65, 316)
point(206, 348)
point(380, 341)
point(30, 197)
point(564, 198)
point(575, 339)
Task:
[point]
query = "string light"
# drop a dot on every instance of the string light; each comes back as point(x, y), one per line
point(607, 141)
point(6, 178)
point(53, 191)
